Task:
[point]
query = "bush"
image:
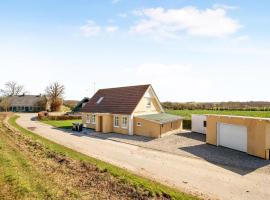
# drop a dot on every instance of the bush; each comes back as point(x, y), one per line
point(63, 117)
point(42, 115)
point(45, 116)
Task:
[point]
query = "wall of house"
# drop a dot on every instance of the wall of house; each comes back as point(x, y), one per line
point(107, 123)
point(84, 119)
point(142, 105)
point(120, 129)
point(170, 126)
point(147, 128)
point(257, 131)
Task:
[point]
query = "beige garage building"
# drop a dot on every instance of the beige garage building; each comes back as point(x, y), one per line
point(246, 134)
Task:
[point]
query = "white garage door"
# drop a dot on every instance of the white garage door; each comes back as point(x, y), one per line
point(232, 136)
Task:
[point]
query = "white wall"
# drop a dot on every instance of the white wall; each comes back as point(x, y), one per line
point(197, 123)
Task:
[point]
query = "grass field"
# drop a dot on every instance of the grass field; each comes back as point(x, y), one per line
point(187, 113)
point(32, 167)
point(65, 124)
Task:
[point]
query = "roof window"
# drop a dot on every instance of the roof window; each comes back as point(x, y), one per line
point(99, 100)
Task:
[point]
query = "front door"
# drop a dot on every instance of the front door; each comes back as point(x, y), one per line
point(100, 123)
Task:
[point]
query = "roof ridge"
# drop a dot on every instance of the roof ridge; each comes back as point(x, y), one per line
point(125, 87)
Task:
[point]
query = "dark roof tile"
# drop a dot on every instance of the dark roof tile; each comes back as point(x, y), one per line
point(122, 100)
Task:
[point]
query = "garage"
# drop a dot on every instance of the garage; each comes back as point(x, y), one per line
point(232, 136)
point(246, 134)
point(157, 125)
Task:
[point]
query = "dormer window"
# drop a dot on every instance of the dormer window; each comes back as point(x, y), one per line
point(99, 100)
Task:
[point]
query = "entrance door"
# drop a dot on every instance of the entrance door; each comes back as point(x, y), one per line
point(232, 136)
point(26, 109)
point(100, 123)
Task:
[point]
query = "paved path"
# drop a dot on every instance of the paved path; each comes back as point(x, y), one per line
point(188, 174)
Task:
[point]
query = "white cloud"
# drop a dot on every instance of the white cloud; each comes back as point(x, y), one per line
point(111, 29)
point(188, 20)
point(90, 29)
point(225, 7)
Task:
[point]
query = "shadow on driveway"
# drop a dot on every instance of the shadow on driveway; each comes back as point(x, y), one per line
point(235, 161)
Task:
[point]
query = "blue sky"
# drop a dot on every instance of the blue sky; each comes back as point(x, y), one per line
point(188, 50)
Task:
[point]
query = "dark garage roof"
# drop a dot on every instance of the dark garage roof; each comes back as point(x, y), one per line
point(161, 118)
point(122, 100)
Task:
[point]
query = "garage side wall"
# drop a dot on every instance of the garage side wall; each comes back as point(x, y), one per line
point(170, 126)
point(146, 128)
point(256, 132)
point(267, 140)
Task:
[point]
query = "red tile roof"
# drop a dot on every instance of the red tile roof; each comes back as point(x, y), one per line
point(122, 100)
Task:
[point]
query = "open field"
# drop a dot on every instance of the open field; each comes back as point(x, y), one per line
point(32, 167)
point(187, 113)
point(65, 124)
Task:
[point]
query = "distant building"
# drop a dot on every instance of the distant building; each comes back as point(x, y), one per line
point(27, 103)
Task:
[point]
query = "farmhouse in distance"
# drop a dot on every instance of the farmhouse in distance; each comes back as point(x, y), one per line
point(25, 103)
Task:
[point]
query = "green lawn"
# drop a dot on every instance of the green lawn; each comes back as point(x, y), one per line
point(65, 124)
point(124, 176)
point(187, 113)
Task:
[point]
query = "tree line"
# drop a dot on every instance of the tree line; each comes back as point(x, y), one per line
point(53, 95)
point(231, 105)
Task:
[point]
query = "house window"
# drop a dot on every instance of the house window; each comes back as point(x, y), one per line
point(99, 100)
point(88, 119)
point(93, 119)
point(139, 124)
point(204, 124)
point(116, 121)
point(148, 102)
point(124, 122)
point(30, 108)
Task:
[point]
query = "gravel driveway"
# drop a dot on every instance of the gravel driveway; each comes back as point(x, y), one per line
point(187, 173)
point(192, 144)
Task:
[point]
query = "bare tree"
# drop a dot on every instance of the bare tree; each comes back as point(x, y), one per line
point(5, 104)
point(55, 92)
point(12, 88)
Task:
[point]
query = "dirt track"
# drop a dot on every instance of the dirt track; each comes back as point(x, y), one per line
point(188, 174)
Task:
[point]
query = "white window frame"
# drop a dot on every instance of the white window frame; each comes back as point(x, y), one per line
point(126, 124)
point(148, 100)
point(93, 119)
point(114, 120)
point(139, 123)
point(87, 119)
